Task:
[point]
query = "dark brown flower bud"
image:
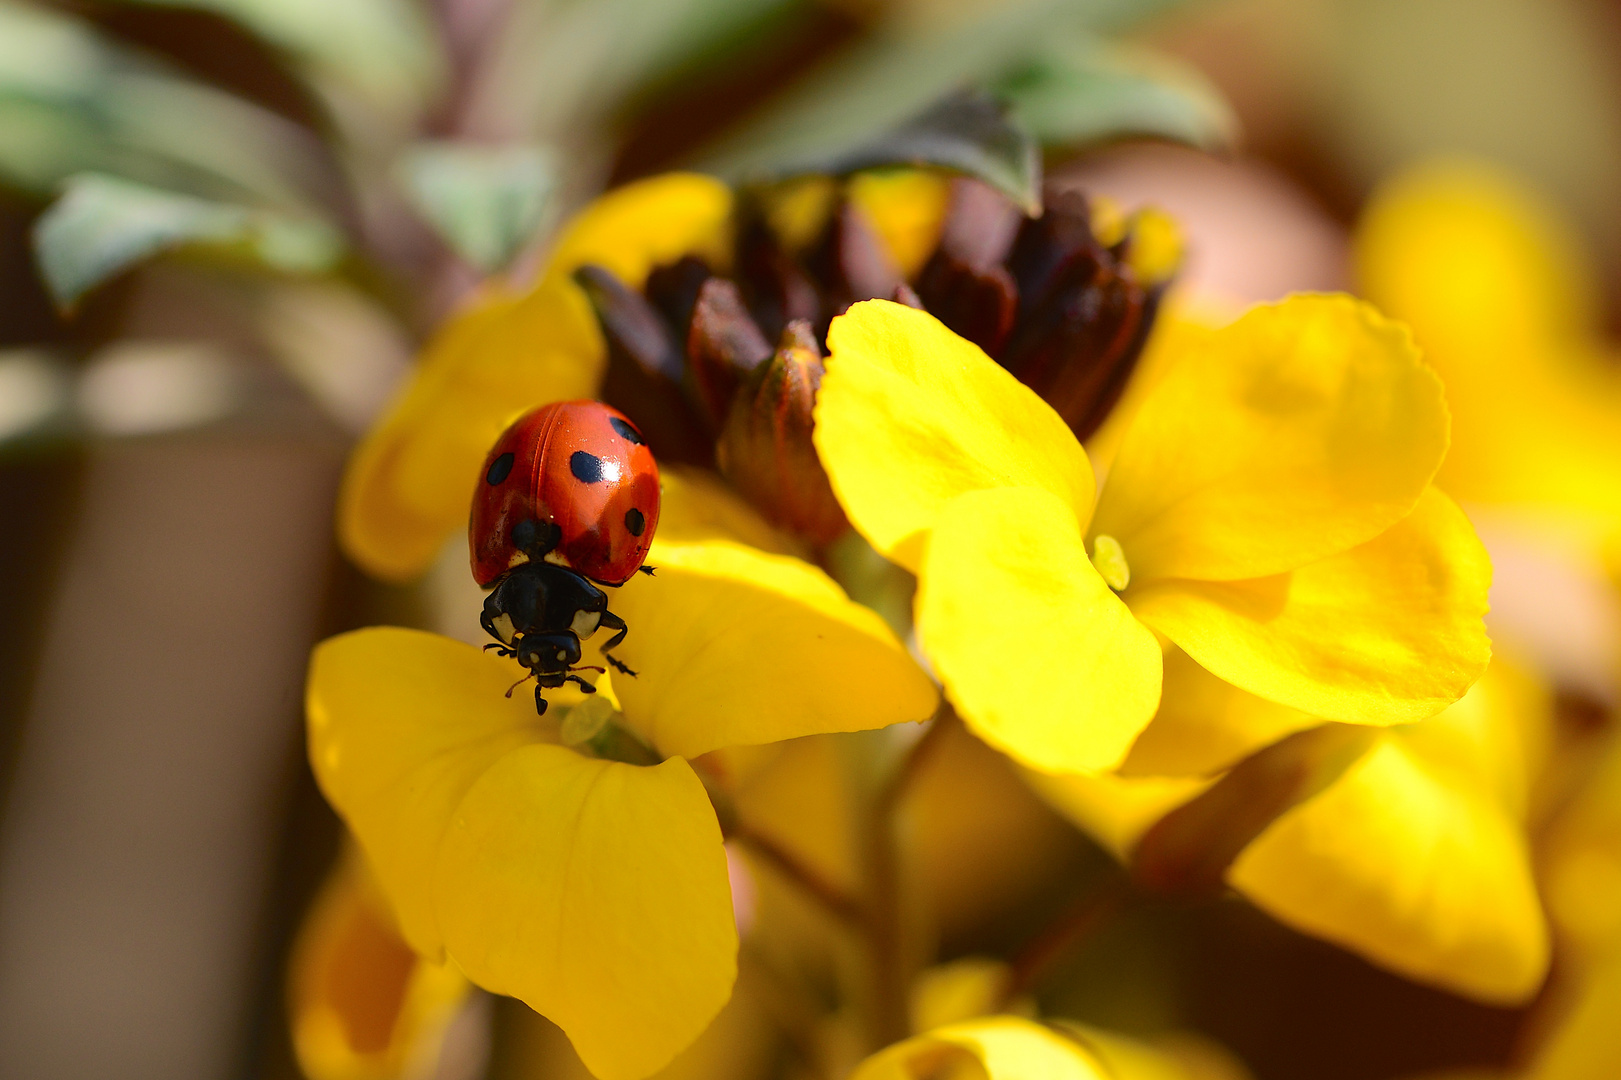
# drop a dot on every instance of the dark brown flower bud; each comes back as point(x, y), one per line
point(1087, 302)
point(765, 448)
point(673, 289)
point(851, 262)
point(976, 303)
point(776, 290)
point(723, 345)
point(645, 369)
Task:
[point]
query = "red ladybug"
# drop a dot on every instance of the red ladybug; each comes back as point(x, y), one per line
point(568, 496)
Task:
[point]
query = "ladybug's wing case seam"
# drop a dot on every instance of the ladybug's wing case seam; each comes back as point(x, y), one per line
point(537, 476)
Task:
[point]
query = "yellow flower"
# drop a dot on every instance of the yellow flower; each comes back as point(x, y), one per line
point(362, 1005)
point(593, 889)
point(407, 486)
point(1505, 305)
point(1013, 1048)
point(1269, 511)
point(1407, 845)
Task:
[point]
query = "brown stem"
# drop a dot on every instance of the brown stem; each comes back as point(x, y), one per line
point(917, 755)
point(840, 904)
point(1072, 925)
point(889, 1018)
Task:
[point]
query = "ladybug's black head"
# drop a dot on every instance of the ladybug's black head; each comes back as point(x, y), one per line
point(543, 653)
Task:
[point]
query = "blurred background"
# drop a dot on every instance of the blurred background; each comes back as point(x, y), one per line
point(225, 227)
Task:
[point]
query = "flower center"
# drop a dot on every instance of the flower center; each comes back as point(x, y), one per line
point(1110, 560)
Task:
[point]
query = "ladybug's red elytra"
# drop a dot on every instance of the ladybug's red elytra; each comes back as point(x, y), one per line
point(568, 499)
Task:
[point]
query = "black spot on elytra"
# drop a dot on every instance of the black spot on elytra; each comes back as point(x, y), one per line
point(587, 468)
point(634, 521)
point(626, 432)
point(499, 468)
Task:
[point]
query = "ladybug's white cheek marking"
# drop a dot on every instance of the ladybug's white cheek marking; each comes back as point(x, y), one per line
point(503, 627)
point(517, 558)
point(585, 623)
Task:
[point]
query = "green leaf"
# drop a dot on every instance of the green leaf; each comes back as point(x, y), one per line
point(72, 101)
point(485, 201)
point(101, 225)
point(895, 73)
point(385, 49)
point(1079, 90)
point(967, 133)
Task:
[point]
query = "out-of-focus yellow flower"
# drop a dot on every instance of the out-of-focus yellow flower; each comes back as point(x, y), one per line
point(1587, 1044)
point(1581, 853)
point(594, 890)
point(362, 1005)
point(1269, 511)
point(1505, 306)
point(1014, 1048)
point(1406, 845)
point(1582, 877)
point(407, 488)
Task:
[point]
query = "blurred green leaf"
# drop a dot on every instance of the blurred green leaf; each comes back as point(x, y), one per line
point(485, 201)
point(966, 132)
point(899, 71)
point(102, 225)
point(1080, 90)
point(385, 49)
point(71, 101)
point(567, 65)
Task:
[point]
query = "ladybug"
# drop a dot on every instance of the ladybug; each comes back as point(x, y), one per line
point(567, 501)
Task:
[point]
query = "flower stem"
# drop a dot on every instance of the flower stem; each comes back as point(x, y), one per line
point(1073, 925)
point(889, 1018)
point(840, 904)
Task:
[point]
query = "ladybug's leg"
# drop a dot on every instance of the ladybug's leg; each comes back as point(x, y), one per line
point(645, 569)
point(543, 682)
point(614, 622)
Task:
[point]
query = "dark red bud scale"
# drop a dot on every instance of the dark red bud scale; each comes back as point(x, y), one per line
point(765, 449)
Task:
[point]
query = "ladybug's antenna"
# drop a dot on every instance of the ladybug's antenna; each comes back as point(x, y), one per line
point(519, 683)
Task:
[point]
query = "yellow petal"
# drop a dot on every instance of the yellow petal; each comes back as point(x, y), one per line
point(1413, 861)
point(1388, 632)
point(1504, 303)
point(907, 208)
point(734, 646)
point(995, 1048)
point(401, 725)
point(361, 1004)
point(910, 416)
point(696, 504)
point(1205, 724)
point(1013, 1048)
point(1301, 430)
point(410, 481)
point(597, 893)
point(1182, 326)
point(1040, 658)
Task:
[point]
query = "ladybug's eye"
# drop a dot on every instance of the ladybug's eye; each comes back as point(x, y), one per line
point(499, 468)
point(625, 431)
